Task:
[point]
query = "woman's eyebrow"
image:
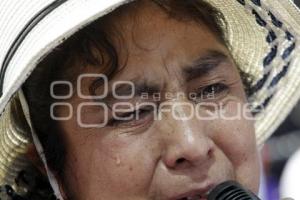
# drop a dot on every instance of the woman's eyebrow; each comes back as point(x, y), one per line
point(204, 65)
point(139, 88)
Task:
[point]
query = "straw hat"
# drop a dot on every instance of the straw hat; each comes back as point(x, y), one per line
point(263, 36)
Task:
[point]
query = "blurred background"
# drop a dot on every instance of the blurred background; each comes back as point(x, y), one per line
point(277, 151)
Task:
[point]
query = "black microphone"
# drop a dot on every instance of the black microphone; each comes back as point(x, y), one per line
point(231, 190)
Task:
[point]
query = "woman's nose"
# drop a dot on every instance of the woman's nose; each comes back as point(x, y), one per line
point(186, 143)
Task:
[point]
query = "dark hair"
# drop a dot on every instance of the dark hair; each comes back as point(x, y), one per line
point(92, 46)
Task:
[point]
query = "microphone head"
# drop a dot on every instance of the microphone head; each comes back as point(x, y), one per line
point(231, 190)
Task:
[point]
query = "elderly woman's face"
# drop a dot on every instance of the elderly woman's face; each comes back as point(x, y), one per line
point(171, 157)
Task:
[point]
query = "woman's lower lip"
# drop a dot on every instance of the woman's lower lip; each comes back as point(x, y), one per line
point(199, 195)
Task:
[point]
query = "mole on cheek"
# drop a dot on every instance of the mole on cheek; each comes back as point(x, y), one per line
point(130, 168)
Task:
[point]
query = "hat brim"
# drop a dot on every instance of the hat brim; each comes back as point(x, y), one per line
point(246, 38)
point(47, 34)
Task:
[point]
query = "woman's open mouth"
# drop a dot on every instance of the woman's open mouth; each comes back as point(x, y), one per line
point(196, 197)
point(196, 194)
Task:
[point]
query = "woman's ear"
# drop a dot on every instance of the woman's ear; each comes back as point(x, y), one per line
point(35, 159)
point(61, 189)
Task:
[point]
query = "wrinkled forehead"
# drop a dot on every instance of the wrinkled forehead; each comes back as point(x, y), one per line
point(151, 43)
point(140, 18)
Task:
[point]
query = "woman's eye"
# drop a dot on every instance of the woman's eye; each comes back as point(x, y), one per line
point(213, 92)
point(131, 118)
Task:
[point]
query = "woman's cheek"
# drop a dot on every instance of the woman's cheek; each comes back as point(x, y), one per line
point(236, 139)
point(123, 165)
